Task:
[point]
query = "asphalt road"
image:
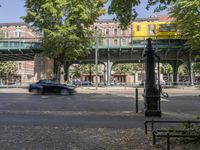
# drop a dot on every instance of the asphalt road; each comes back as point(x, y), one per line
point(88, 110)
point(91, 109)
point(90, 119)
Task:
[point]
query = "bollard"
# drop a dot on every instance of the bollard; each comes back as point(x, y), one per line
point(168, 144)
point(136, 100)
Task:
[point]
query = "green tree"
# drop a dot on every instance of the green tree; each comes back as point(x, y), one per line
point(187, 15)
point(75, 71)
point(125, 9)
point(1, 35)
point(167, 69)
point(66, 25)
point(196, 67)
point(78, 69)
point(8, 68)
point(182, 70)
point(125, 68)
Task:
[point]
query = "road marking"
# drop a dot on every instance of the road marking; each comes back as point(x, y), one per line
point(44, 96)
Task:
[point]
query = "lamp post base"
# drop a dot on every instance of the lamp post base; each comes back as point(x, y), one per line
point(153, 113)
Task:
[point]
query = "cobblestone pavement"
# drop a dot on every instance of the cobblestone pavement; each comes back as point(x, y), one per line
point(102, 119)
point(64, 138)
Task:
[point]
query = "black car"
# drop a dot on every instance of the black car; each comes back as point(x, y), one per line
point(49, 86)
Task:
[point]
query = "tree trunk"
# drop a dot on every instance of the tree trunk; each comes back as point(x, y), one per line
point(62, 73)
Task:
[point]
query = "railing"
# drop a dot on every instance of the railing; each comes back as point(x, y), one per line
point(168, 132)
point(104, 42)
point(117, 84)
point(139, 41)
point(20, 43)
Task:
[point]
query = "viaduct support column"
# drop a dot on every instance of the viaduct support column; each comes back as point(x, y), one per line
point(108, 66)
point(175, 66)
point(190, 69)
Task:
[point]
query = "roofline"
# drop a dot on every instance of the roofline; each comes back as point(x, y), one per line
point(137, 19)
point(14, 24)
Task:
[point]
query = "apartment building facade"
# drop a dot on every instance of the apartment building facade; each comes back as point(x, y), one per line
point(14, 31)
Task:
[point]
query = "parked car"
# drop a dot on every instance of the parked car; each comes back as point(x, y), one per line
point(82, 83)
point(50, 86)
point(162, 82)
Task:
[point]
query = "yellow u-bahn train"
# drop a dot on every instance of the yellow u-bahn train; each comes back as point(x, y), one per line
point(155, 29)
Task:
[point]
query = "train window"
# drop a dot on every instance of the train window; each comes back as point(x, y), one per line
point(152, 29)
point(173, 28)
point(167, 27)
point(138, 28)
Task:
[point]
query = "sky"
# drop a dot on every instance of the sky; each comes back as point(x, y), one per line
point(12, 10)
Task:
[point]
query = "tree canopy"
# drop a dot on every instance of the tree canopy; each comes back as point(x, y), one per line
point(125, 9)
point(78, 69)
point(1, 35)
point(166, 69)
point(66, 25)
point(125, 68)
point(196, 67)
point(187, 14)
point(8, 67)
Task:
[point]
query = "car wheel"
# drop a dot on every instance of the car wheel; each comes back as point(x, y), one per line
point(64, 92)
point(42, 91)
point(34, 91)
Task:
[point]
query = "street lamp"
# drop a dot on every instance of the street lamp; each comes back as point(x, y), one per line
point(96, 56)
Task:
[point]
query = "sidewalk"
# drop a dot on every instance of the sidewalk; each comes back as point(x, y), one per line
point(130, 92)
point(14, 90)
point(125, 91)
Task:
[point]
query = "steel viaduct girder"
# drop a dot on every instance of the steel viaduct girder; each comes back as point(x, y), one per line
point(25, 49)
point(136, 55)
point(169, 50)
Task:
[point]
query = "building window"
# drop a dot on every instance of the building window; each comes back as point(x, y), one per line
point(139, 77)
point(20, 34)
point(107, 31)
point(115, 31)
point(115, 42)
point(17, 33)
point(138, 28)
point(123, 42)
point(123, 32)
point(6, 34)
